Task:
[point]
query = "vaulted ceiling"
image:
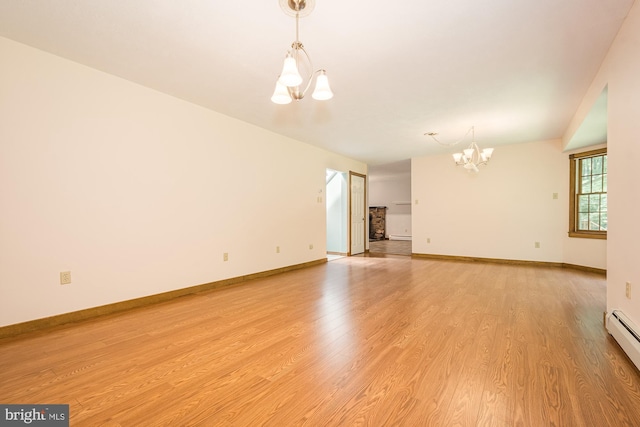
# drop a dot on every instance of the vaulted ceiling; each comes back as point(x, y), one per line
point(516, 70)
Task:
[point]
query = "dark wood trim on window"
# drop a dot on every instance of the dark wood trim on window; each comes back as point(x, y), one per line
point(573, 231)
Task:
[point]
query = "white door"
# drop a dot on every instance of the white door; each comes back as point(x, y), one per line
point(357, 213)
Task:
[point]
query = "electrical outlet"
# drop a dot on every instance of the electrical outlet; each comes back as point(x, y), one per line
point(225, 256)
point(555, 196)
point(537, 245)
point(65, 277)
point(277, 249)
point(627, 290)
point(311, 246)
point(428, 239)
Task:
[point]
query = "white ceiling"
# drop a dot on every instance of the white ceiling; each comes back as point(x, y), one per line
point(516, 70)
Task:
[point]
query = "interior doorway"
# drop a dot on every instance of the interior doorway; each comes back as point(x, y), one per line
point(337, 206)
point(346, 204)
point(357, 213)
point(389, 196)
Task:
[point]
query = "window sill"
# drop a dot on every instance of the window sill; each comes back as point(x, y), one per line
point(589, 235)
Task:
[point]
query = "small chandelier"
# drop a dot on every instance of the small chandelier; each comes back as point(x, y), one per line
point(471, 157)
point(290, 82)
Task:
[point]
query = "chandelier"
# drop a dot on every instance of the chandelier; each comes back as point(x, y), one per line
point(290, 82)
point(471, 157)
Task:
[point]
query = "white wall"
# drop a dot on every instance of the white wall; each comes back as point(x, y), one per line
point(585, 252)
point(136, 192)
point(499, 212)
point(620, 71)
point(387, 190)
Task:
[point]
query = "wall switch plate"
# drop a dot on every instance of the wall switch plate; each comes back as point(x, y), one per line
point(537, 245)
point(311, 246)
point(277, 249)
point(65, 277)
point(225, 256)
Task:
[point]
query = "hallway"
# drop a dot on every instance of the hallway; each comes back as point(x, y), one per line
point(391, 247)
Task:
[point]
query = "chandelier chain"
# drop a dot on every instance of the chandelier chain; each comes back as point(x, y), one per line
point(451, 144)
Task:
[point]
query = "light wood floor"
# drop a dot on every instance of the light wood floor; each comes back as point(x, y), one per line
point(396, 247)
point(378, 341)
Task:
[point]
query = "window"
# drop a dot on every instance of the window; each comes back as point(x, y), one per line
point(588, 187)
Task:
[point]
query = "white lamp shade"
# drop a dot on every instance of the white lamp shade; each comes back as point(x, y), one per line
point(468, 153)
point(280, 94)
point(487, 152)
point(457, 157)
point(290, 76)
point(322, 92)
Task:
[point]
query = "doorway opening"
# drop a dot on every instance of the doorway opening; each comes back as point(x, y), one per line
point(390, 208)
point(337, 214)
point(358, 216)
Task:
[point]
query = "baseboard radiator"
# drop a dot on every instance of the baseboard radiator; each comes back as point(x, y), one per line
point(399, 237)
point(626, 334)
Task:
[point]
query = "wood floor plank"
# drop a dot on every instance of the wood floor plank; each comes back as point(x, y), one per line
point(368, 340)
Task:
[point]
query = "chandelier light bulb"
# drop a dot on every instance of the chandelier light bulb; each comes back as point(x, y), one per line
point(322, 92)
point(290, 75)
point(457, 157)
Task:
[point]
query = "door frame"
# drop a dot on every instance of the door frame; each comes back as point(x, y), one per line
point(364, 210)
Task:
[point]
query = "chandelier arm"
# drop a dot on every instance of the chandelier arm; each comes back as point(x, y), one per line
point(295, 92)
point(451, 144)
point(475, 159)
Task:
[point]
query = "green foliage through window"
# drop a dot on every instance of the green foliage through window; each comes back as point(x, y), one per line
point(591, 193)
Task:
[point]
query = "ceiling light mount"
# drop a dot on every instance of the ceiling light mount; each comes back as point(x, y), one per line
point(289, 85)
point(301, 8)
point(471, 157)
